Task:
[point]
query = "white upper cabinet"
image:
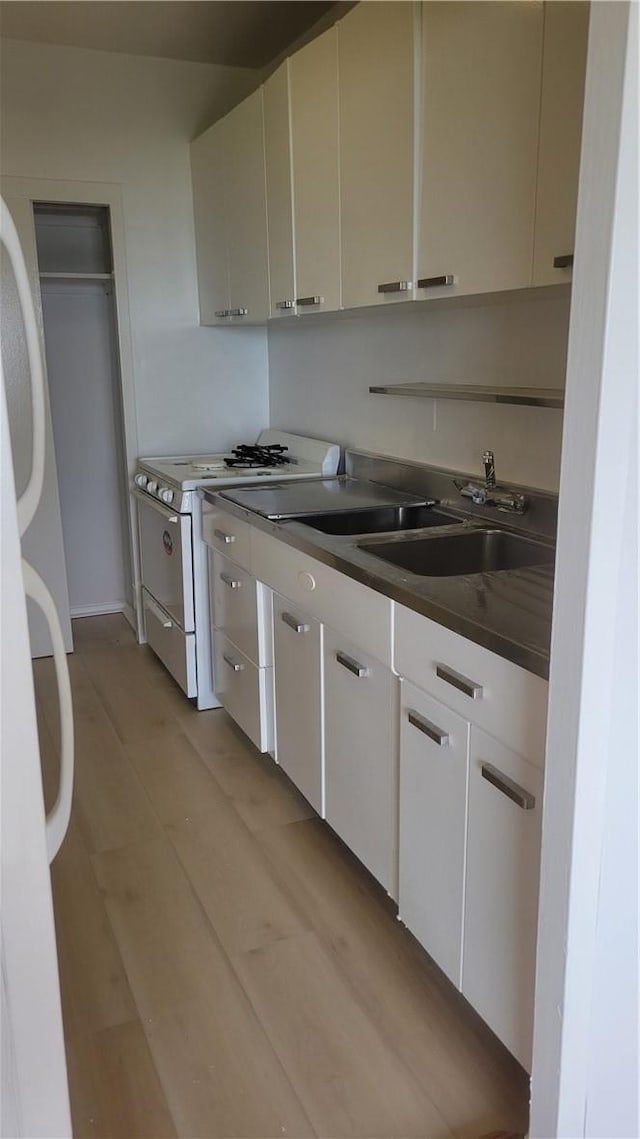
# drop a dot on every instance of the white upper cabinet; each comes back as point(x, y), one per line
point(247, 212)
point(566, 26)
point(277, 141)
point(478, 140)
point(376, 94)
point(229, 193)
point(208, 170)
point(313, 79)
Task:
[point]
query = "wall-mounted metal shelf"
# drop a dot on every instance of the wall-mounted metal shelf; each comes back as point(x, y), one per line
point(525, 397)
point(76, 276)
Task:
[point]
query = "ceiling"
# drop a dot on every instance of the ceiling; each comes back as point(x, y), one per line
point(238, 33)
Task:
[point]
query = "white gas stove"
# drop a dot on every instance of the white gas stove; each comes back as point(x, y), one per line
point(174, 594)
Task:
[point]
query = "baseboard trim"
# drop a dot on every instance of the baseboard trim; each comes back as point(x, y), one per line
point(99, 610)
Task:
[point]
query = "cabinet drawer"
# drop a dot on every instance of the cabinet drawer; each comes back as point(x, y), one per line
point(176, 649)
point(245, 690)
point(240, 608)
point(501, 902)
point(361, 763)
point(434, 760)
point(225, 533)
point(509, 702)
point(297, 644)
point(362, 614)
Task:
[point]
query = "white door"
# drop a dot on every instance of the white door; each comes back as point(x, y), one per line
point(297, 648)
point(361, 755)
point(277, 146)
point(42, 544)
point(209, 172)
point(481, 68)
point(166, 560)
point(247, 212)
point(501, 900)
point(376, 72)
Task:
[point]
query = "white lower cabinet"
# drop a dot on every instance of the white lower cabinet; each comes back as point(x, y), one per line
point(297, 649)
point(434, 764)
point(501, 898)
point(245, 690)
point(360, 755)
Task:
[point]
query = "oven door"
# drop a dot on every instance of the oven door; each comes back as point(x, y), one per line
point(166, 559)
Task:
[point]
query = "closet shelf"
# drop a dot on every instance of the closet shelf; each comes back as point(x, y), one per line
point(525, 397)
point(76, 276)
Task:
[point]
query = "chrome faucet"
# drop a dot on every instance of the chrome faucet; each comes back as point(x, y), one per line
point(485, 495)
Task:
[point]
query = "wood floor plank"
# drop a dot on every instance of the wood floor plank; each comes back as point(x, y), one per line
point(110, 805)
point(219, 1072)
point(94, 988)
point(227, 869)
point(467, 1073)
point(260, 791)
point(137, 710)
point(350, 1082)
point(114, 1087)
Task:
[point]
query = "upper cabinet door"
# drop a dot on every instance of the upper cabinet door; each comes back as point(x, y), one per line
point(316, 172)
point(247, 212)
point(209, 162)
point(376, 77)
point(480, 102)
point(566, 27)
point(277, 144)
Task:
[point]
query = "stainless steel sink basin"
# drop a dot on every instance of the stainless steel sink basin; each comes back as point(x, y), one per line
point(377, 520)
point(476, 551)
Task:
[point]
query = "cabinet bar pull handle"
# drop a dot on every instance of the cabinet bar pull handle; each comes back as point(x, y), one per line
point(508, 787)
point(423, 725)
point(238, 312)
point(234, 664)
point(563, 262)
point(222, 537)
point(233, 583)
point(308, 301)
point(469, 687)
point(394, 287)
point(436, 282)
point(222, 312)
point(284, 305)
point(352, 665)
point(294, 623)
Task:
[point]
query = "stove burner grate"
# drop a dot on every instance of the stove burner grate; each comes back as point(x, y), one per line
point(253, 455)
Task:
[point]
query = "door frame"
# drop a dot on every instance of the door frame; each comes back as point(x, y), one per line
point(107, 194)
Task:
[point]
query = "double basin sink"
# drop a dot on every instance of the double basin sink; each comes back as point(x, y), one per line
point(477, 549)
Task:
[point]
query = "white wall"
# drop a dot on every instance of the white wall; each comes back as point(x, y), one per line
point(73, 114)
point(321, 368)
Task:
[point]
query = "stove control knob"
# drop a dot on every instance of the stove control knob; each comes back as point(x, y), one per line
point(141, 480)
point(165, 494)
point(152, 487)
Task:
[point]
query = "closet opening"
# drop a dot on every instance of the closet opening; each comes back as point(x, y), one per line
point(75, 264)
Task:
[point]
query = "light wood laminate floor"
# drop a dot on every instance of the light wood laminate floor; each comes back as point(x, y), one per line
point(227, 966)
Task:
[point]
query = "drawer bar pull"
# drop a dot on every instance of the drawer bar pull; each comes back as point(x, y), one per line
point(221, 313)
point(436, 282)
point(285, 306)
point(395, 287)
point(352, 665)
point(234, 664)
point(222, 537)
point(294, 623)
point(423, 725)
point(309, 301)
point(238, 312)
point(232, 582)
point(457, 680)
point(563, 262)
point(512, 790)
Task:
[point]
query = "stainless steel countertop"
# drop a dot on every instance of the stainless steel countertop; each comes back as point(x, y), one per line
point(320, 496)
point(508, 611)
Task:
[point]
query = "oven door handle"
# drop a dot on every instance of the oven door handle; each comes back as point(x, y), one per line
point(170, 516)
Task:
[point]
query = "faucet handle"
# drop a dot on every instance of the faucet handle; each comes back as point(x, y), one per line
point(489, 468)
